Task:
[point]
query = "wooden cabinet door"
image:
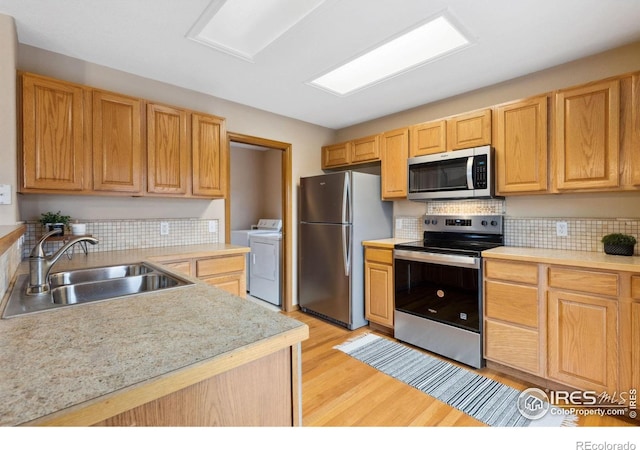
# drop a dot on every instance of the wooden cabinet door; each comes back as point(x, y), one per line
point(587, 136)
point(469, 130)
point(521, 146)
point(378, 286)
point(428, 138)
point(336, 155)
point(117, 143)
point(167, 150)
point(365, 149)
point(53, 150)
point(209, 155)
point(395, 151)
point(583, 341)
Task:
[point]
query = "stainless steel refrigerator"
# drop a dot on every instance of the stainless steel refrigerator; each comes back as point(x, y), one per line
point(337, 212)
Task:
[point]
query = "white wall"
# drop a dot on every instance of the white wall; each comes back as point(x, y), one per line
point(8, 146)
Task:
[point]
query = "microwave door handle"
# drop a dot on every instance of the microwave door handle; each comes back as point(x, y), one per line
point(470, 172)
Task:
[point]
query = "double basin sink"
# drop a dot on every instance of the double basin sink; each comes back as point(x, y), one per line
point(90, 285)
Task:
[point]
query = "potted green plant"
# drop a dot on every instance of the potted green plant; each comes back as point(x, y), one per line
point(619, 244)
point(51, 221)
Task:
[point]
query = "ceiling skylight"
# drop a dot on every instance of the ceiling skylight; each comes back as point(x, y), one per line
point(243, 28)
point(408, 51)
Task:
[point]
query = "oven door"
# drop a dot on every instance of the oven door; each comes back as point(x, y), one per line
point(440, 287)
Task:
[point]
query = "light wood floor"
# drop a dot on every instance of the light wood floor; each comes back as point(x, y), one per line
point(338, 390)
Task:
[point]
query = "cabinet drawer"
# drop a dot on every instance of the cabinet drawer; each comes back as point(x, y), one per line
point(512, 303)
point(512, 271)
point(379, 255)
point(513, 346)
point(215, 266)
point(584, 281)
point(635, 286)
point(183, 267)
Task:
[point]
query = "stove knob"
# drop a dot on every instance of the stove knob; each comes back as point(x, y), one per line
point(494, 223)
point(484, 223)
point(434, 222)
point(426, 221)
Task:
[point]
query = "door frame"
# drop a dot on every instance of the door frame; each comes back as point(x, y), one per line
point(287, 230)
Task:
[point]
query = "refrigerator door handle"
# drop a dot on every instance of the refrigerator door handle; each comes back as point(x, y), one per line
point(346, 250)
point(346, 199)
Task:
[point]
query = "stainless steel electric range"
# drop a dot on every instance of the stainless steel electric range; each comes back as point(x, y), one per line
point(438, 285)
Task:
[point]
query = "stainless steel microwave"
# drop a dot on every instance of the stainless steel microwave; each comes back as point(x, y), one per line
point(467, 173)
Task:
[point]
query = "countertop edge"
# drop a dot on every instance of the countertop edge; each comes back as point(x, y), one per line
point(9, 234)
point(589, 260)
point(386, 243)
point(101, 408)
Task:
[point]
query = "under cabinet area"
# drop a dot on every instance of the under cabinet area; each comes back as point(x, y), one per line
point(81, 140)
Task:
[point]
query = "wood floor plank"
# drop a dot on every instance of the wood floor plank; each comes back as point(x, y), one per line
point(340, 391)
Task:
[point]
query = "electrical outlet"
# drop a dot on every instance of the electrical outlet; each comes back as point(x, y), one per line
point(562, 229)
point(5, 194)
point(213, 226)
point(164, 228)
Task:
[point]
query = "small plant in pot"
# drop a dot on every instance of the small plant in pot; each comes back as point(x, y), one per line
point(619, 244)
point(51, 221)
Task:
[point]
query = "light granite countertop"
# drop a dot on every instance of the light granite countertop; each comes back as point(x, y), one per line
point(73, 356)
point(593, 260)
point(386, 243)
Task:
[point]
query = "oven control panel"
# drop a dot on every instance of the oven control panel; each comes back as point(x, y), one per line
point(482, 223)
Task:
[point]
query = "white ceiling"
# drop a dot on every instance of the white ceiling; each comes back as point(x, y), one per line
point(147, 38)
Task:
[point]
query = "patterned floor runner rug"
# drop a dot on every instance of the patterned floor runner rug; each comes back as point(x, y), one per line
point(487, 400)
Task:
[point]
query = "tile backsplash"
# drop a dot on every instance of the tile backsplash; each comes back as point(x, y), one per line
point(9, 262)
point(118, 234)
point(583, 233)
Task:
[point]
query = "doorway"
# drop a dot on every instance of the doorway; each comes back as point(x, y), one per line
point(286, 207)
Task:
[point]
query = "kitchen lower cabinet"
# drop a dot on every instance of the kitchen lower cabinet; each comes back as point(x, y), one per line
point(378, 286)
point(583, 341)
point(227, 272)
point(512, 303)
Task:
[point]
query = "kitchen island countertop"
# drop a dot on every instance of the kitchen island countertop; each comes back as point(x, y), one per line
point(84, 362)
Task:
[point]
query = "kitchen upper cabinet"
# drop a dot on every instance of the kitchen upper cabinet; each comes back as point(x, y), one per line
point(365, 149)
point(521, 146)
point(54, 154)
point(209, 155)
point(428, 138)
point(587, 136)
point(336, 155)
point(167, 150)
point(117, 143)
point(472, 129)
point(378, 285)
point(394, 153)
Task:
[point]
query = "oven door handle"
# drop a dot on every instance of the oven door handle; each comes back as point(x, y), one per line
point(438, 258)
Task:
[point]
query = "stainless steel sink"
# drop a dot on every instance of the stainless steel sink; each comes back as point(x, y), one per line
point(97, 274)
point(90, 285)
point(117, 287)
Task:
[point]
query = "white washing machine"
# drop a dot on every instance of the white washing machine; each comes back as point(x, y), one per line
point(265, 261)
point(241, 237)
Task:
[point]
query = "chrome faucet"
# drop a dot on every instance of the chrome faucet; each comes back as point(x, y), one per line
point(40, 265)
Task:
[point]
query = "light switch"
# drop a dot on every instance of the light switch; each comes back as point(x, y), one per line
point(5, 194)
point(213, 226)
